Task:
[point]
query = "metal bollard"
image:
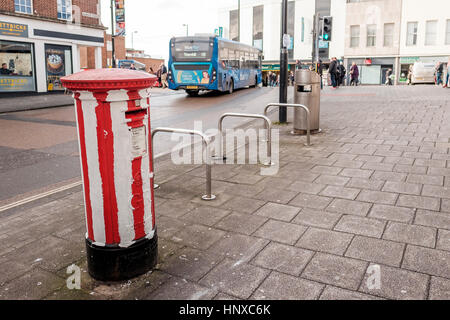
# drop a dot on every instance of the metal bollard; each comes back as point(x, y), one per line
point(290, 105)
point(267, 123)
point(206, 141)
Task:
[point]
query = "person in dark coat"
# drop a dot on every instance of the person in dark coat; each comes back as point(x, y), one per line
point(333, 70)
point(342, 72)
point(354, 74)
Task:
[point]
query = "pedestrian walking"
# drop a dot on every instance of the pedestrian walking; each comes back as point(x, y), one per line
point(354, 74)
point(342, 73)
point(447, 78)
point(438, 71)
point(388, 77)
point(163, 76)
point(409, 76)
point(333, 70)
point(320, 72)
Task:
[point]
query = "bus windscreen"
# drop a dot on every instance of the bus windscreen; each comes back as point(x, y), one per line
point(192, 51)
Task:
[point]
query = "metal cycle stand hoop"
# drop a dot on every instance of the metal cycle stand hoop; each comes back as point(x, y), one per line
point(206, 142)
point(268, 125)
point(291, 105)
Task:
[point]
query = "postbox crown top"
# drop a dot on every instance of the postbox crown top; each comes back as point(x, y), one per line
point(108, 79)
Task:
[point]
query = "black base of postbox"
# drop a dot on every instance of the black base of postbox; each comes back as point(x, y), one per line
point(116, 264)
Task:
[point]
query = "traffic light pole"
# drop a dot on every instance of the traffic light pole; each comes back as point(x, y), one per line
point(316, 37)
point(283, 64)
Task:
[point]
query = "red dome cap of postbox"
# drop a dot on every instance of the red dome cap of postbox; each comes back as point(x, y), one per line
point(108, 79)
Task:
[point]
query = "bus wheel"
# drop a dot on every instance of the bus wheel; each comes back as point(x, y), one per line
point(231, 87)
point(192, 93)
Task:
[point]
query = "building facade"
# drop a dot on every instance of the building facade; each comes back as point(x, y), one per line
point(377, 35)
point(41, 41)
point(260, 26)
point(372, 39)
point(425, 34)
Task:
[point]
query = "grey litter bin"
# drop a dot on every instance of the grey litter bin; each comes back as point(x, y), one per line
point(307, 92)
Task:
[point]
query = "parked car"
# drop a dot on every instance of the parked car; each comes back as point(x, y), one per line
point(422, 73)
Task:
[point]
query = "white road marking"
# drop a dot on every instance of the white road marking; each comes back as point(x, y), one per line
point(40, 196)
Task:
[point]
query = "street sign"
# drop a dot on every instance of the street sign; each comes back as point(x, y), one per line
point(286, 40)
point(323, 44)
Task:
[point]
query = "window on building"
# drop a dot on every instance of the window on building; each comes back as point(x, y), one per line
point(65, 9)
point(291, 27)
point(258, 25)
point(371, 35)
point(23, 6)
point(431, 33)
point(447, 34)
point(234, 19)
point(388, 34)
point(354, 36)
point(411, 34)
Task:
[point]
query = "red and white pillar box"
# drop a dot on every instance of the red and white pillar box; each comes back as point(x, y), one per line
point(113, 120)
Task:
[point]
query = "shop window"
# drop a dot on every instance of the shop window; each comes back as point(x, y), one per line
point(65, 10)
point(58, 61)
point(23, 6)
point(17, 67)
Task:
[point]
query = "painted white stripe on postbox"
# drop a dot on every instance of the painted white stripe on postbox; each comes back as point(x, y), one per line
point(89, 103)
point(123, 178)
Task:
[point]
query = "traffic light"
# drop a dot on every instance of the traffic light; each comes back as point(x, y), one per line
point(327, 28)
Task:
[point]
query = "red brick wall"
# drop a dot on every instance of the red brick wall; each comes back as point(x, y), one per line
point(150, 62)
point(7, 5)
point(119, 45)
point(49, 9)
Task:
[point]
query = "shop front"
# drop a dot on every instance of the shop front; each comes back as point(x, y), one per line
point(407, 62)
point(372, 71)
point(36, 54)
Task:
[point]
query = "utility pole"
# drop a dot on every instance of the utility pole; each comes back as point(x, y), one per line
point(283, 63)
point(113, 52)
point(315, 48)
point(239, 20)
point(187, 29)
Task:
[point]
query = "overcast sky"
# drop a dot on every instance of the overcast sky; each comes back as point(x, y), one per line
point(156, 21)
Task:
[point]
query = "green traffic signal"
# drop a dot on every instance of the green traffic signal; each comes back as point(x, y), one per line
point(325, 36)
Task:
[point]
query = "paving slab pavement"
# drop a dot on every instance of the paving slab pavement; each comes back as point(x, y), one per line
point(334, 215)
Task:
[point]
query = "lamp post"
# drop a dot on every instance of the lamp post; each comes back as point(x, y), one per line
point(132, 39)
point(187, 29)
point(283, 63)
point(113, 52)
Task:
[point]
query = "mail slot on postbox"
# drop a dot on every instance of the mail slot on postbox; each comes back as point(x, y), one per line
point(113, 118)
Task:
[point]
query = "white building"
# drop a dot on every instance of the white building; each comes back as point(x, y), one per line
point(425, 33)
point(376, 34)
point(261, 26)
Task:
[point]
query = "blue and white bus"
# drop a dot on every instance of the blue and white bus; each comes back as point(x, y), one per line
point(212, 63)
